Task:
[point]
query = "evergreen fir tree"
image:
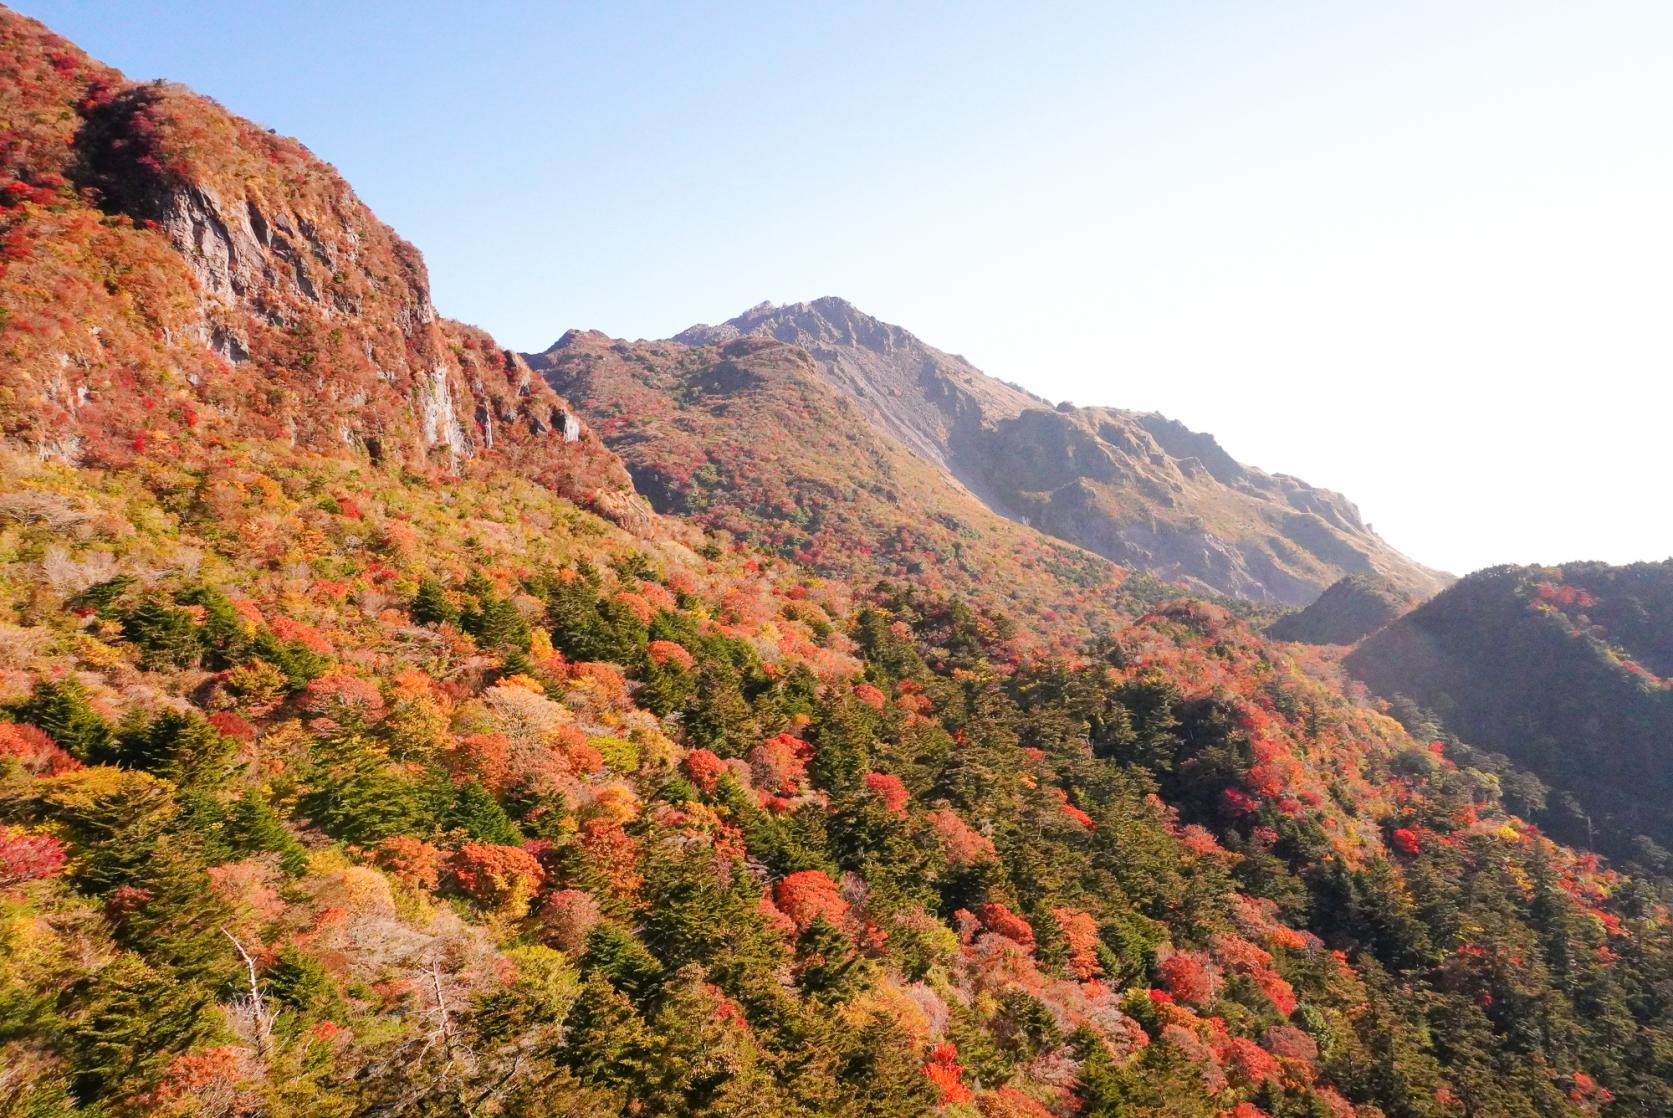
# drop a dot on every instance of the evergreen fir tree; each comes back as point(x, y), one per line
point(60, 707)
point(608, 1043)
point(614, 954)
point(480, 816)
point(353, 793)
point(182, 747)
point(299, 981)
point(253, 825)
point(164, 633)
point(718, 717)
point(827, 965)
point(136, 1018)
point(431, 605)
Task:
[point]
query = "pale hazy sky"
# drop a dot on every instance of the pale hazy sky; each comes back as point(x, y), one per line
point(1418, 252)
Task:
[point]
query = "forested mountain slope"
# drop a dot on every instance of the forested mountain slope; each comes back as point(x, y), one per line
point(1567, 670)
point(745, 436)
point(353, 763)
point(1348, 611)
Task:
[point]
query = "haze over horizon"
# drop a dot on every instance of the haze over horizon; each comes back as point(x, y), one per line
point(1414, 256)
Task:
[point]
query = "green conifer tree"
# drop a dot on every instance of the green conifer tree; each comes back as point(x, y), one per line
point(431, 605)
point(60, 707)
point(476, 812)
point(354, 793)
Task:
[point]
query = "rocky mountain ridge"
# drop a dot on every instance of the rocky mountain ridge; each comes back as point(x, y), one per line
point(1140, 489)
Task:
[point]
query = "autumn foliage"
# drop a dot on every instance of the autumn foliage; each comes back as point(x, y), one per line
point(495, 876)
point(351, 764)
point(809, 895)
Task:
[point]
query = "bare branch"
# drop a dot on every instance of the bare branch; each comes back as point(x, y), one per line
point(445, 1028)
point(253, 1004)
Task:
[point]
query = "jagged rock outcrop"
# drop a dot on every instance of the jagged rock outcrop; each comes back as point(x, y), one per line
point(177, 277)
point(931, 401)
point(1140, 489)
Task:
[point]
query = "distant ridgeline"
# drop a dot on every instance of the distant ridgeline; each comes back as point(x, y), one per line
point(1346, 612)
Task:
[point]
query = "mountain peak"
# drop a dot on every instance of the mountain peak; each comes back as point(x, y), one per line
point(827, 320)
point(1139, 489)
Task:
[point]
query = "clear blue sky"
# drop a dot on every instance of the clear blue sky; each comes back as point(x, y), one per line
point(1418, 252)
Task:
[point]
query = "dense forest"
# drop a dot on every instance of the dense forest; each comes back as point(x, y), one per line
point(463, 801)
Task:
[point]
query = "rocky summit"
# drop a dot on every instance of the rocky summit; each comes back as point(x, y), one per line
point(177, 278)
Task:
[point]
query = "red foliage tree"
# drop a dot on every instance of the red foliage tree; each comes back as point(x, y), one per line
point(1254, 1064)
point(1000, 920)
point(889, 790)
point(1008, 1102)
point(669, 652)
point(344, 699)
point(410, 860)
point(780, 764)
point(1245, 1110)
point(209, 1080)
point(1080, 817)
point(1290, 1043)
point(606, 684)
point(289, 629)
point(914, 703)
point(944, 1071)
point(1080, 932)
point(567, 917)
point(1587, 1093)
point(28, 857)
point(637, 604)
point(1277, 990)
point(233, 726)
point(807, 895)
point(1190, 978)
point(34, 750)
point(612, 855)
point(494, 875)
point(775, 918)
point(961, 843)
point(485, 758)
point(870, 696)
point(703, 768)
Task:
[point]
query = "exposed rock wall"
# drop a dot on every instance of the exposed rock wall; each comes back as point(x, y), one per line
point(253, 295)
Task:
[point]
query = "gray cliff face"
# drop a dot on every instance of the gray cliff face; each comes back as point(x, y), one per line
point(256, 262)
point(932, 402)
